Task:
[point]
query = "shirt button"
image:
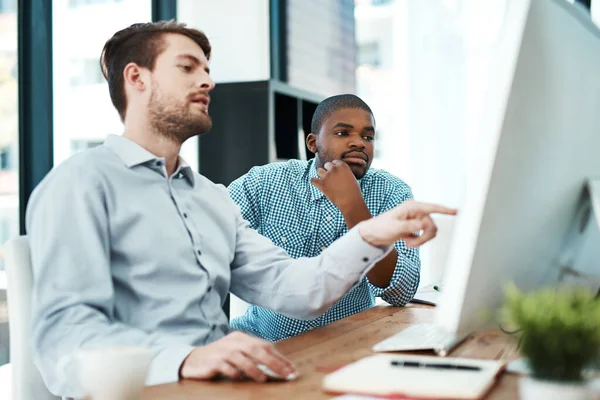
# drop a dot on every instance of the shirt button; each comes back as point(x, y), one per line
point(328, 218)
point(283, 239)
point(323, 248)
point(213, 327)
point(184, 215)
point(199, 252)
point(209, 289)
point(365, 259)
point(159, 163)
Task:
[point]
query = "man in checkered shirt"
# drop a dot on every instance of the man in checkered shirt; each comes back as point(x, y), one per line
point(304, 206)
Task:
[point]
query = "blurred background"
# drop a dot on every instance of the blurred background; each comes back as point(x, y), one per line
point(422, 66)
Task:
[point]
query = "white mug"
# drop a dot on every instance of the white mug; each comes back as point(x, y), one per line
point(113, 373)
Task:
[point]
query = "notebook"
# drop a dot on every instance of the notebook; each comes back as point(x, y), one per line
point(427, 295)
point(376, 375)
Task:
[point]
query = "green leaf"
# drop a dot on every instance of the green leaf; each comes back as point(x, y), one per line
point(560, 329)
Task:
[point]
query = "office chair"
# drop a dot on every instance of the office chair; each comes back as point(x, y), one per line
point(27, 383)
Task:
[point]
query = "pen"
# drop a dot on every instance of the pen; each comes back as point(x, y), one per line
point(416, 364)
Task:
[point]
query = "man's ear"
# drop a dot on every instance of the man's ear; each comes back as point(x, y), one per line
point(311, 142)
point(132, 76)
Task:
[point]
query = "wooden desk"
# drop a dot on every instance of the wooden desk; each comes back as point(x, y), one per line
point(322, 350)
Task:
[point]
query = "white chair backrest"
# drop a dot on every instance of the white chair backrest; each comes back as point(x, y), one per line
point(27, 383)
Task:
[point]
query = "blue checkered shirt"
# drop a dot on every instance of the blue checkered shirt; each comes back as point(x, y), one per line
point(281, 203)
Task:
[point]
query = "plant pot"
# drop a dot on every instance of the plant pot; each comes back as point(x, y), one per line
point(536, 389)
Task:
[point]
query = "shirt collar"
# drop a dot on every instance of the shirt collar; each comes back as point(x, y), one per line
point(132, 154)
point(129, 152)
point(186, 170)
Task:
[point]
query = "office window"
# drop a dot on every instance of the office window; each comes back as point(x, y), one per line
point(78, 145)
point(372, 3)
point(83, 112)
point(594, 11)
point(6, 158)
point(321, 59)
point(9, 140)
point(85, 71)
point(8, 6)
point(381, 2)
point(369, 54)
point(83, 3)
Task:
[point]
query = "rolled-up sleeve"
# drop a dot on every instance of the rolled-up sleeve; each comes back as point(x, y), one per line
point(303, 288)
point(406, 276)
point(245, 192)
point(73, 294)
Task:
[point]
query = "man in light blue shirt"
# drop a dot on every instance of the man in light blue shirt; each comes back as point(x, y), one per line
point(130, 247)
point(305, 206)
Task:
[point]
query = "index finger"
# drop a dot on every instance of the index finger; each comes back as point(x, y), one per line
point(426, 208)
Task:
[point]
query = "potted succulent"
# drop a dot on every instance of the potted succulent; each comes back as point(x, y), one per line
point(560, 336)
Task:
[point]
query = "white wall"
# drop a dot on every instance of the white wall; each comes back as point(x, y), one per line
point(239, 33)
point(321, 46)
point(85, 112)
point(385, 88)
point(437, 101)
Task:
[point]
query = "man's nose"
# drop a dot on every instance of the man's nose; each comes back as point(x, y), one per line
point(206, 83)
point(356, 142)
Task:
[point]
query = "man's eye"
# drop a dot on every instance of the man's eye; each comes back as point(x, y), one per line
point(186, 68)
point(369, 138)
point(341, 133)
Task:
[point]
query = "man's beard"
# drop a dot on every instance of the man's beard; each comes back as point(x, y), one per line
point(173, 119)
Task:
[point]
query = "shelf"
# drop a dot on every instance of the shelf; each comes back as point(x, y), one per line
point(255, 123)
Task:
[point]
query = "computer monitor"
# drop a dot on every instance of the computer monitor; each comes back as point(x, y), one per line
point(540, 145)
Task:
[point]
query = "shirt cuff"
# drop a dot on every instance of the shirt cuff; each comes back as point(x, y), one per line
point(166, 364)
point(353, 252)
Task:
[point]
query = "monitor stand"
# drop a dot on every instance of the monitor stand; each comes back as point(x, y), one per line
point(432, 337)
point(587, 217)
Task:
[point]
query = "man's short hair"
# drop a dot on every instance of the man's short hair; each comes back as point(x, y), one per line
point(141, 44)
point(333, 104)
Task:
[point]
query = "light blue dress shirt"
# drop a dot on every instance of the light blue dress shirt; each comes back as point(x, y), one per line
point(281, 203)
point(125, 255)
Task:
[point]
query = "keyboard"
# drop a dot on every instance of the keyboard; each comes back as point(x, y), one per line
point(421, 337)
